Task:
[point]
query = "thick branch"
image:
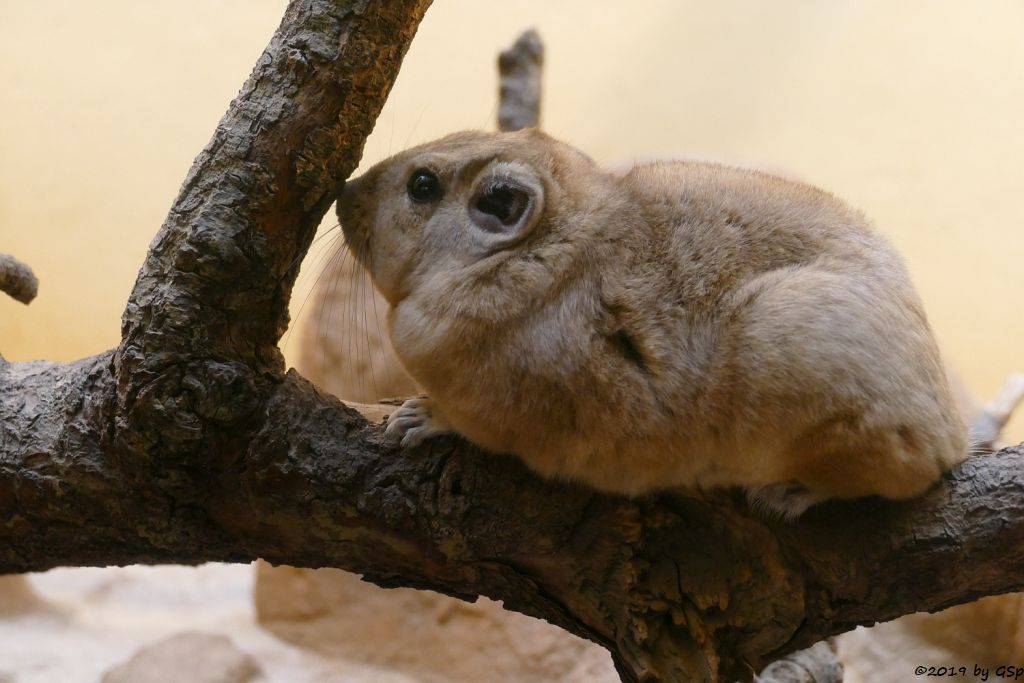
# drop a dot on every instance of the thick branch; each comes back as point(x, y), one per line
point(669, 584)
point(519, 91)
point(219, 273)
point(199, 336)
point(188, 443)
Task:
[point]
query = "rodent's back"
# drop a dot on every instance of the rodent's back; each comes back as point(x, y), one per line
point(722, 225)
point(821, 344)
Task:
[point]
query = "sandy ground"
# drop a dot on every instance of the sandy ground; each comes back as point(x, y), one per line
point(86, 621)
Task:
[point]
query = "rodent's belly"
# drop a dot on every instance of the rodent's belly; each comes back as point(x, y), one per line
point(637, 468)
point(627, 465)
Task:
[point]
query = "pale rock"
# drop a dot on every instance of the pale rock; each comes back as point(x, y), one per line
point(985, 634)
point(426, 636)
point(193, 657)
point(17, 597)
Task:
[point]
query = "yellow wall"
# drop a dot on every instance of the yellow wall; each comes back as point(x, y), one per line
point(912, 111)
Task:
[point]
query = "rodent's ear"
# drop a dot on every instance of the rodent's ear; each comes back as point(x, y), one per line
point(506, 202)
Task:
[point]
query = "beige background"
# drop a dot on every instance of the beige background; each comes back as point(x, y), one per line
point(912, 111)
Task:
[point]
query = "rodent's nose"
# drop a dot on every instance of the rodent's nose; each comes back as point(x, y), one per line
point(347, 198)
point(352, 186)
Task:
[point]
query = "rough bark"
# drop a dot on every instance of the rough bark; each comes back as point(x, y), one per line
point(678, 588)
point(17, 280)
point(189, 443)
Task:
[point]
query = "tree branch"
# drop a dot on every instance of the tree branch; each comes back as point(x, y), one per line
point(678, 588)
point(189, 443)
point(519, 69)
point(17, 280)
point(817, 664)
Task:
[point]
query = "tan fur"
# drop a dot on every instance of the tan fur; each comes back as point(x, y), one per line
point(344, 346)
point(683, 324)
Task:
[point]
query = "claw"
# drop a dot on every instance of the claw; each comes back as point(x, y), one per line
point(414, 422)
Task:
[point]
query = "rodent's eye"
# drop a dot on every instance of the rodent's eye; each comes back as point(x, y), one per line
point(424, 186)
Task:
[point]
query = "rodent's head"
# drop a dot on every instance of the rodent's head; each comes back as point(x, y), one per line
point(449, 213)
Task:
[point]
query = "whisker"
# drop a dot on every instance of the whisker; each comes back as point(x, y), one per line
point(383, 338)
point(348, 368)
point(492, 117)
point(355, 303)
point(368, 291)
point(319, 258)
point(415, 125)
point(328, 294)
point(312, 244)
point(331, 343)
point(391, 134)
point(359, 304)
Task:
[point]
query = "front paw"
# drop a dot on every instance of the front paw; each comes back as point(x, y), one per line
point(415, 422)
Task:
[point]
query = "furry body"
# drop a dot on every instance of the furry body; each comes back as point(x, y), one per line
point(681, 324)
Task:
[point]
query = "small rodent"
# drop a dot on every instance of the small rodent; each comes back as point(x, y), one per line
point(678, 325)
